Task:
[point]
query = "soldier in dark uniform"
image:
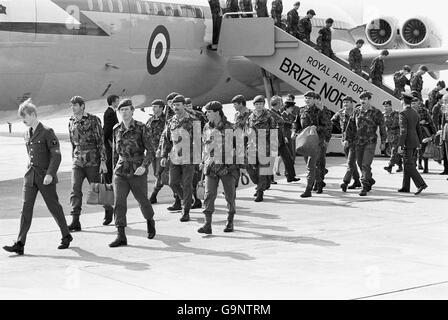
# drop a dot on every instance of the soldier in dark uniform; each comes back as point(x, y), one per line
point(324, 39)
point(362, 129)
point(258, 169)
point(311, 115)
point(217, 167)
point(261, 8)
point(305, 27)
point(417, 81)
point(289, 117)
point(392, 123)
point(88, 155)
point(246, 6)
point(434, 95)
point(44, 154)
point(444, 128)
point(401, 81)
point(341, 119)
point(355, 57)
point(283, 139)
point(232, 6)
point(109, 121)
point(181, 165)
point(276, 12)
point(292, 20)
point(427, 128)
point(131, 141)
point(377, 69)
point(216, 12)
point(240, 127)
point(155, 126)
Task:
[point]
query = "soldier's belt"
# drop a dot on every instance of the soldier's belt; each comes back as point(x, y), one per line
point(131, 159)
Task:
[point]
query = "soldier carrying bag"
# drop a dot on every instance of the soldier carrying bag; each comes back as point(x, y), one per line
point(307, 141)
point(200, 188)
point(101, 193)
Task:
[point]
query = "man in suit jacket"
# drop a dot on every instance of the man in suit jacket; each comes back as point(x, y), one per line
point(410, 139)
point(109, 121)
point(44, 159)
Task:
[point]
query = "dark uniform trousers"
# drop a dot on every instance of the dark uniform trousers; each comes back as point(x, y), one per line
point(181, 181)
point(285, 154)
point(139, 187)
point(352, 170)
point(364, 155)
point(78, 175)
point(30, 189)
point(211, 191)
point(410, 170)
point(259, 175)
point(315, 166)
point(110, 169)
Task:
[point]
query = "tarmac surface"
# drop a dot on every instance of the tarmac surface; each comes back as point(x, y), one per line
point(332, 246)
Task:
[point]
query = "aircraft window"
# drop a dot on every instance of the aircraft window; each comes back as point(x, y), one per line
point(139, 6)
point(90, 4)
point(110, 4)
point(100, 5)
point(153, 9)
point(168, 11)
point(120, 5)
point(199, 13)
point(184, 11)
point(177, 11)
point(160, 10)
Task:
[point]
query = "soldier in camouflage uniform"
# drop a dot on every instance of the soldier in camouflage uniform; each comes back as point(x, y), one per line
point(181, 165)
point(259, 171)
point(417, 81)
point(311, 115)
point(377, 69)
point(305, 27)
point(131, 140)
point(276, 12)
point(324, 39)
point(340, 120)
point(292, 20)
point(355, 58)
point(88, 155)
point(232, 6)
point(261, 8)
point(401, 81)
point(434, 95)
point(218, 164)
point(246, 6)
point(155, 126)
point(328, 131)
point(392, 123)
point(427, 128)
point(362, 129)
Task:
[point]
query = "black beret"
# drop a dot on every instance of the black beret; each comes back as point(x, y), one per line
point(239, 99)
point(289, 104)
point(179, 98)
point(329, 20)
point(311, 11)
point(158, 102)
point(259, 98)
point(297, 3)
point(365, 94)
point(187, 101)
point(441, 84)
point(388, 102)
point(171, 96)
point(406, 97)
point(310, 94)
point(125, 103)
point(213, 106)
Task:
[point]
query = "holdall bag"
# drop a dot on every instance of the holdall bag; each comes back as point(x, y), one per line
point(307, 141)
point(432, 151)
point(101, 193)
point(165, 174)
point(93, 194)
point(200, 188)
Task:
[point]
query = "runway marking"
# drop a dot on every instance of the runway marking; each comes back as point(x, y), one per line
point(402, 290)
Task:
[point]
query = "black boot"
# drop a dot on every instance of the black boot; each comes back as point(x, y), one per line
point(75, 225)
point(400, 168)
point(153, 198)
point(306, 194)
point(388, 168)
point(176, 205)
point(108, 216)
point(420, 167)
point(151, 227)
point(425, 162)
point(259, 197)
point(185, 216)
point(18, 247)
point(207, 227)
point(197, 204)
point(229, 226)
point(344, 187)
point(356, 184)
point(120, 240)
point(65, 242)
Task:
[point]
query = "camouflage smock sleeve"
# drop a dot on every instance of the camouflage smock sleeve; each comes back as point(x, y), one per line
point(150, 153)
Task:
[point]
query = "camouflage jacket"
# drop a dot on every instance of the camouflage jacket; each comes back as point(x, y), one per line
point(218, 159)
point(215, 7)
point(340, 120)
point(175, 131)
point(155, 126)
point(232, 6)
point(305, 28)
point(260, 121)
point(400, 81)
point(329, 125)
point(280, 125)
point(392, 123)
point(241, 120)
point(289, 119)
point(261, 8)
point(312, 116)
point(363, 126)
point(277, 8)
point(377, 69)
point(416, 82)
point(355, 59)
point(198, 116)
point(436, 115)
point(129, 146)
point(245, 5)
point(86, 137)
point(324, 38)
point(433, 97)
point(424, 115)
point(292, 19)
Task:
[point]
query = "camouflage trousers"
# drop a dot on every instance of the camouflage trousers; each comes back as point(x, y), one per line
point(395, 157)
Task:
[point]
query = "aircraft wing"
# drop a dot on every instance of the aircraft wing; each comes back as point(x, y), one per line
point(435, 58)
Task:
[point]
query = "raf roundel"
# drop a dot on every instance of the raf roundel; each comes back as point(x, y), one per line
point(158, 50)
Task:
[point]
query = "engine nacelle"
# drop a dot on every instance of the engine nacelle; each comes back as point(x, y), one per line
point(382, 32)
point(420, 33)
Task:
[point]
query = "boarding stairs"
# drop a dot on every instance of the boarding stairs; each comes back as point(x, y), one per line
point(294, 62)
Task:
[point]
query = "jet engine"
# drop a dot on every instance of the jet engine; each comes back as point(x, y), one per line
point(382, 32)
point(420, 33)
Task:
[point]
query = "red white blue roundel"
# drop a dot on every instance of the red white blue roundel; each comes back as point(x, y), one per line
point(158, 49)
